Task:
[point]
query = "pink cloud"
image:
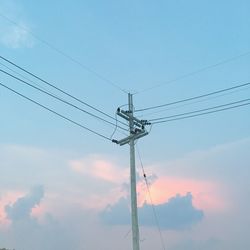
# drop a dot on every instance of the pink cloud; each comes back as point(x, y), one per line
point(10, 197)
point(7, 198)
point(101, 169)
point(39, 211)
point(206, 194)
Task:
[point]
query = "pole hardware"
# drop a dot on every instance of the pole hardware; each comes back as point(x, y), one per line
point(136, 131)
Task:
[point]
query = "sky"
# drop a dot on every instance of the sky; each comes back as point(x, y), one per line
point(63, 187)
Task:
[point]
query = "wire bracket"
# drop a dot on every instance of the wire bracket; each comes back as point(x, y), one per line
point(137, 130)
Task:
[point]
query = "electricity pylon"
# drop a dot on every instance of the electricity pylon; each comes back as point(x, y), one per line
point(136, 131)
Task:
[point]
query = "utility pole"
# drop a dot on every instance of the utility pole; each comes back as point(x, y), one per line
point(136, 131)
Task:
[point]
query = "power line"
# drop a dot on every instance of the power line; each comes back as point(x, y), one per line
point(24, 77)
point(198, 111)
point(57, 88)
point(190, 103)
point(60, 99)
point(27, 79)
point(193, 98)
point(205, 113)
point(196, 72)
point(65, 54)
point(151, 200)
point(54, 112)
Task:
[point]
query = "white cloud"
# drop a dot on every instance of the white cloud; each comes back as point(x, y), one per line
point(223, 163)
point(14, 30)
point(16, 37)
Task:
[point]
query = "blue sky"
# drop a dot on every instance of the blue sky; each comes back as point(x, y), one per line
point(137, 45)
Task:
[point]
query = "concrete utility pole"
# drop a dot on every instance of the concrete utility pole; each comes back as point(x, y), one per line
point(136, 131)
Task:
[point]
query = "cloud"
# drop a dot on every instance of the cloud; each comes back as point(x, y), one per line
point(209, 174)
point(62, 219)
point(177, 213)
point(97, 167)
point(117, 214)
point(224, 163)
point(209, 244)
point(98, 182)
point(205, 193)
point(7, 198)
point(16, 37)
point(75, 229)
point(22, 208)
point(26, 232)
point(14, 31)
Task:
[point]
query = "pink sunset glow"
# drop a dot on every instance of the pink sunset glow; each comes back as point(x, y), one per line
point(101, 169)
point(205, 194)
point(6, 199)
point(9, 198)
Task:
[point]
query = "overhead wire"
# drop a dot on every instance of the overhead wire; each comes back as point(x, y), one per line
point(200, 110)
point(116, 125)
point(57, 88)
point(200, 114)
point(60, 99)
point(195, 97)
point(230, 59)
point(111, 82)
point(151, 199)
point(61, 52)
point(194, 102)
point(24, 77)
point(55, 112)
